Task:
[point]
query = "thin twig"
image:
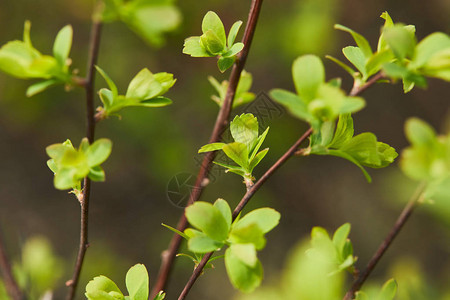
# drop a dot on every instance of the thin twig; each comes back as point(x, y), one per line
point(250, 192)
point(90, 132)
point(168, 256)
point(358, 89)
point(10, 283)
point(401, 220)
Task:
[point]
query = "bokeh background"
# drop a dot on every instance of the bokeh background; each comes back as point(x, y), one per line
point(152, 146)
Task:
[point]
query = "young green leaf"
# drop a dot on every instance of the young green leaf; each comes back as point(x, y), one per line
point(203, 244)
point(208, 219)
point(211, 21)
point(233, 33)
point(292, 102)
point(357, 58)
point(388, 290)
point(98, 152)
point(361, 41)
point(246, 253)
point(400, 40)
point(242, 276)
point(224, 63)
point(238, 152)
point(211, 147)
point(308, 73)
point(244, 129)
point(63, 44)
point(137, 282)
point(266, 219)
point(103, 288)
point(194, 48)
point(224, 209)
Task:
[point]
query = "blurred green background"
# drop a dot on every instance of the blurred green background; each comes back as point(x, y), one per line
point(151, 146)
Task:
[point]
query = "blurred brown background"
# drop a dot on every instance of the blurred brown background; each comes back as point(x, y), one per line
point(151, 146)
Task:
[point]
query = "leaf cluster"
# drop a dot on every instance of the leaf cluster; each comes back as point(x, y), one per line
point(398, 55)
point(137, 283)
point(428, 157)
point(71, 165)
point(362, 149)
point(214, 229)
point(316, 101)
point(149, 19)
point(387, 292)
point(242, 95)
point(145, 89)
point(245, 149)
point(214, 42)
point(22, 60)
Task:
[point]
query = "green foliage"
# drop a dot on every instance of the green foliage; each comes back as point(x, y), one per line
point(242, 95)
point(398, 55)
point(387, 292)
point(428, 157)
point(39, 269)
point(315, 270)
point(145, 89)
point(137, 282)
point(362, 149)
point(150, 19)
point(244, 236)
point(71, 165)
point(20, 59)
point(244, 150)
point(214, 42)
point(316, 101)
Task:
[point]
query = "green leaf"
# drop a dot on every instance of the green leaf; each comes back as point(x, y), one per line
point(161, 296)
point(344, 131)
point(66, 178)
point(238, 152)
point(212, 43)
point(63, 44)
point(388, 290)
point(158, 101)
point(40, 87)
point(377, 60)
point(212, 22)
point(266, 219)
point(340, 237)
point(308, 73)
point(246, 253)
point(103, 288)
point(400, 40)
point(361, 41)
point(224, 209)
point(233, 33)
point(209, 219)
point(182, 234)
point(111, 84)
point(292, 102)
point(98, 152)
point(194, 48)
point(211, 147)
point(257, 159)
point(429, 47)
point(96, 174)
point(235, 49)
point(203, 244)
point(233, 169)
point(244, 129)
point(363, 148)
point(242, 276)
point(357, 58)
point(249, 233)
point(419, 133)
point(137, 282)
point(144, 86)
point(259, 142)
point(224, 63)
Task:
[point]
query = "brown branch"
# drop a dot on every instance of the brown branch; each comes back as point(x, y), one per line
point(10, 283)
point(358, 89)
point(168, 256)
point(401, 220)
point(90, 131)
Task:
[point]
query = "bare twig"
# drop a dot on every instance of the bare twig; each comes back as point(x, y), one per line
point(168, 256)
point(358, 89)
point(10, 283)
point(90, 131)
point(405, 214)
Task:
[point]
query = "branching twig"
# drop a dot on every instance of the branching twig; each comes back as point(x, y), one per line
point(10, 283)
point(250, 192)
point(409, 208)
point(90, 131)
point(168, 256)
